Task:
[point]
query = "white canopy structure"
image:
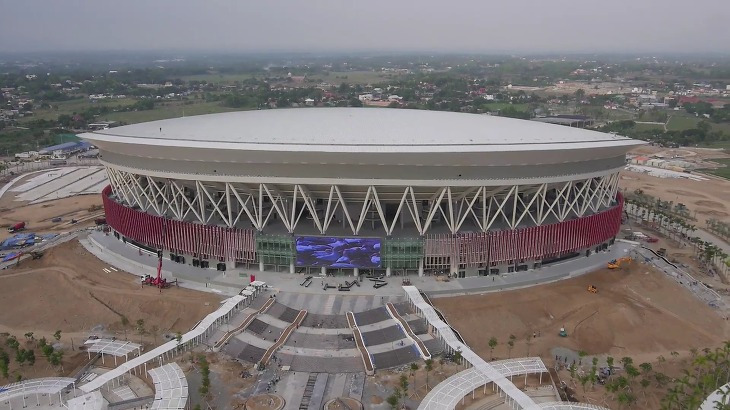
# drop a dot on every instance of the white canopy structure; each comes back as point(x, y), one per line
point(171, 387)
point(451, 391)
point(89, 401)
point(116, 348)
point(196, 335)
point(37, 387)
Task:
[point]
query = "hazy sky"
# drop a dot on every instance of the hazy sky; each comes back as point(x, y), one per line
point(363, 25)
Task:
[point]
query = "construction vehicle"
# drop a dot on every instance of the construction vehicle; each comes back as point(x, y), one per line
point(20, 226)
point(157, 282)
point(592, 289)
point(563, 333)
point(616, 263)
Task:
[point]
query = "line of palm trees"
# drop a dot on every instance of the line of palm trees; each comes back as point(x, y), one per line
point(719, 228)
point(677, 228)
point(668, 223)
point(707, 372)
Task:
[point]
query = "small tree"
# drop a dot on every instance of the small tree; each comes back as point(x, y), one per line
point(29, 337)
point(392, 400)
point(581, 355)
point(609, 362)
point(47, 351)
point(125, 323)
point(510, 345)
point(56, 358)
point(30, 357)
point(4, 363)
point(428, 367)
point(404, 383)
point(583, 379)
point(492, 345)
point(57, 335)
point(178, 339)
point(140, 329)
point(457, 358)
point(13, 343)
point(20, 356)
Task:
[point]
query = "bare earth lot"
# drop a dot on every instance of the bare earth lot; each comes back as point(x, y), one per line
point(705, 199)
point(38, 216)
point(636, 310)
point(65, 290)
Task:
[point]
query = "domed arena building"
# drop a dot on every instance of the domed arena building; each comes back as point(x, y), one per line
point(359, 189)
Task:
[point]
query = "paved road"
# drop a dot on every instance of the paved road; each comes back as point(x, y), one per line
point(708, 237)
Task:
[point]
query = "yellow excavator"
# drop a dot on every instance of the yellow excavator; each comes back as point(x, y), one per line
point(592, 289)
point(616, 263)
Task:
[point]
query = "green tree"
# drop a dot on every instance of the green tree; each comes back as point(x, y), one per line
point(125, 324)
point(492, 345)
point(12, 343)
point(56, 358)
point(428, 367)
point(140, 329)
point(4, 363)
point(404, 384)
point(57, 335)
point(393, 400)
point(457, 358)
point(511, 345)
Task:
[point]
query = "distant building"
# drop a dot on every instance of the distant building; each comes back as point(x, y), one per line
point(65, 149)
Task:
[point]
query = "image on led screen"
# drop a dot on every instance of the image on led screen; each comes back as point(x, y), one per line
point(338, 252)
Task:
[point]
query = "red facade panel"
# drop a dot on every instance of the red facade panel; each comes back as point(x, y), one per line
point(178, 236)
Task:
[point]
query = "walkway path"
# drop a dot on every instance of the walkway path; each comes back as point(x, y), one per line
point(284, 336)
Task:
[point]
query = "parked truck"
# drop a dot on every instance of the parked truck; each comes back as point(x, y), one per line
point(20, 226)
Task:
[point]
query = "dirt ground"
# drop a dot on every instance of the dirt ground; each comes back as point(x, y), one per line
point(636, 310)
point(705, 199)
point(38, 216)
point(68, 290)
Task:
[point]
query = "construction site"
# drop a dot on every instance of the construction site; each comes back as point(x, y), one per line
point(296, 346)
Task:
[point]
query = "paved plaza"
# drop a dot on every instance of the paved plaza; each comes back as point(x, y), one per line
point(117, 253)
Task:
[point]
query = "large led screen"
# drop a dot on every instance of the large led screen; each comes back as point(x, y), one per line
point(338, 252)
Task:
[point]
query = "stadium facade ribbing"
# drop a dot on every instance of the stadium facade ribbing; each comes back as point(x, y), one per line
point(431, 191)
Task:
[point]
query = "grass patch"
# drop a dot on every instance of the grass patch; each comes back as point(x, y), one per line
point(723, 172)
point(681, 123)
point(71, 107)
point(170, 109)
point(649, 127)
